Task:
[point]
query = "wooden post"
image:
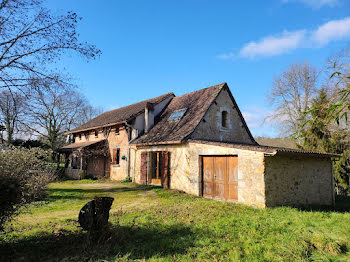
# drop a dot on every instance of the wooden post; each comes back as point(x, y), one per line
point(157, 165)
point(66, 160)
point(58, 159)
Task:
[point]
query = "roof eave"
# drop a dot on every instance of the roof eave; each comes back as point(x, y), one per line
point(317, 154)
point(91, 128)
point(158, 143)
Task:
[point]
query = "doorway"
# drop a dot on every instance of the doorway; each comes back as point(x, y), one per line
point(220, 177)
point(156, 170)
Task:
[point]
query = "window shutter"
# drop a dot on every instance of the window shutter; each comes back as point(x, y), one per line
point(165, 155)
point(114, 156)
point(143, 169)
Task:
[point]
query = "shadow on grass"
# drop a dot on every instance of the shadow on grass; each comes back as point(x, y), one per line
point(85, 193)
point(114, 242)
point(342, 205)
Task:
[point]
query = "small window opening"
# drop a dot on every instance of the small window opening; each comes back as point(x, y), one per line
point(79, 136)
point(96, 133)
point(117, 131)
point(224, 118)
point(116, 156)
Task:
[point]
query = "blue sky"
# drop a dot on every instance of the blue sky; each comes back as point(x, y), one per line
point(154, 47)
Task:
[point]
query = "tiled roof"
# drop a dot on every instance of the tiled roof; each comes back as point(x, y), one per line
point(265, 149)
point(120, 114)
point(197, 104)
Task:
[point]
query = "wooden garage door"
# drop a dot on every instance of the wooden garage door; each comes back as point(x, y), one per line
point(220, 177)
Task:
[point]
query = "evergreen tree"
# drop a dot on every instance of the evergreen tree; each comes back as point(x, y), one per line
point(318, 134)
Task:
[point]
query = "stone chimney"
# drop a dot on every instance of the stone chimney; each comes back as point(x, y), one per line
point(149, 117)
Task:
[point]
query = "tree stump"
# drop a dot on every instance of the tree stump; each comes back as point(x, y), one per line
point(95, 214)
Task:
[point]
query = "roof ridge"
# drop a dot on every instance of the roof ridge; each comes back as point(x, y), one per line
point(213, 86)
point(119, 114)
point(143, 101)
point(197, 103)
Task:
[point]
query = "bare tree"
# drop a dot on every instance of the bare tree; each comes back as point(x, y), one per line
point(87, 113)
point(11, 112)
point(291, 95)
point(31, 38)
point(53, 109)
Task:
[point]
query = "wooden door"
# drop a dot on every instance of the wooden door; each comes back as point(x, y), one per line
point(232, 178)
point(220, 178)
point(208, 176)
point(96, 167)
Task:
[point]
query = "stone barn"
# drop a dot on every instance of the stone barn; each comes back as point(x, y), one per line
point(199, 143)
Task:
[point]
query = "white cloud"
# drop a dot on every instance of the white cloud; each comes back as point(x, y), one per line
point(273, 45)
point(288, 41)
point(333, 30)
point(315, 3)
point(253, 120)
point(254, 117)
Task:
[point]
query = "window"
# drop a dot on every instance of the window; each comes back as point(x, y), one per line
point(96, 133)
point(178, 114)
point(79, 136)
point(224, 118)
point(117, 130)
point(116, 156)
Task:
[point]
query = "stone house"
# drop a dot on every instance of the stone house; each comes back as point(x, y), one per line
point(198, 143)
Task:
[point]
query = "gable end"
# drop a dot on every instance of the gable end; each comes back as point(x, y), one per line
point(232, 128)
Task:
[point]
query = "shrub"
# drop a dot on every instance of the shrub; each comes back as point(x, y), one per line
point(24, 175)
point(342, 173)
point(126, 180)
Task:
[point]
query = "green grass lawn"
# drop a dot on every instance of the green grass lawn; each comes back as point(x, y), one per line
point(159, 224)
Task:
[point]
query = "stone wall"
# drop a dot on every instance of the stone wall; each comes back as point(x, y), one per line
point(119, 172)
point(76, 174)
point(117, 138)
point(298, 181)
point(211, 128)
point(185, 169)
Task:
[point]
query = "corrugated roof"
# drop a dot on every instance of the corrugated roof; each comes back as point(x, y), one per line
point(120, 114)
point(265, 149)
point(197, 104)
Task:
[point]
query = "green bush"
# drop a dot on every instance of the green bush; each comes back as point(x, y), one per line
point(342, 173)
point(126, 180)
point(24, 175)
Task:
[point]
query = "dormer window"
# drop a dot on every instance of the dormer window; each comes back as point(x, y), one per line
point(178, 114)
point(224, 118)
